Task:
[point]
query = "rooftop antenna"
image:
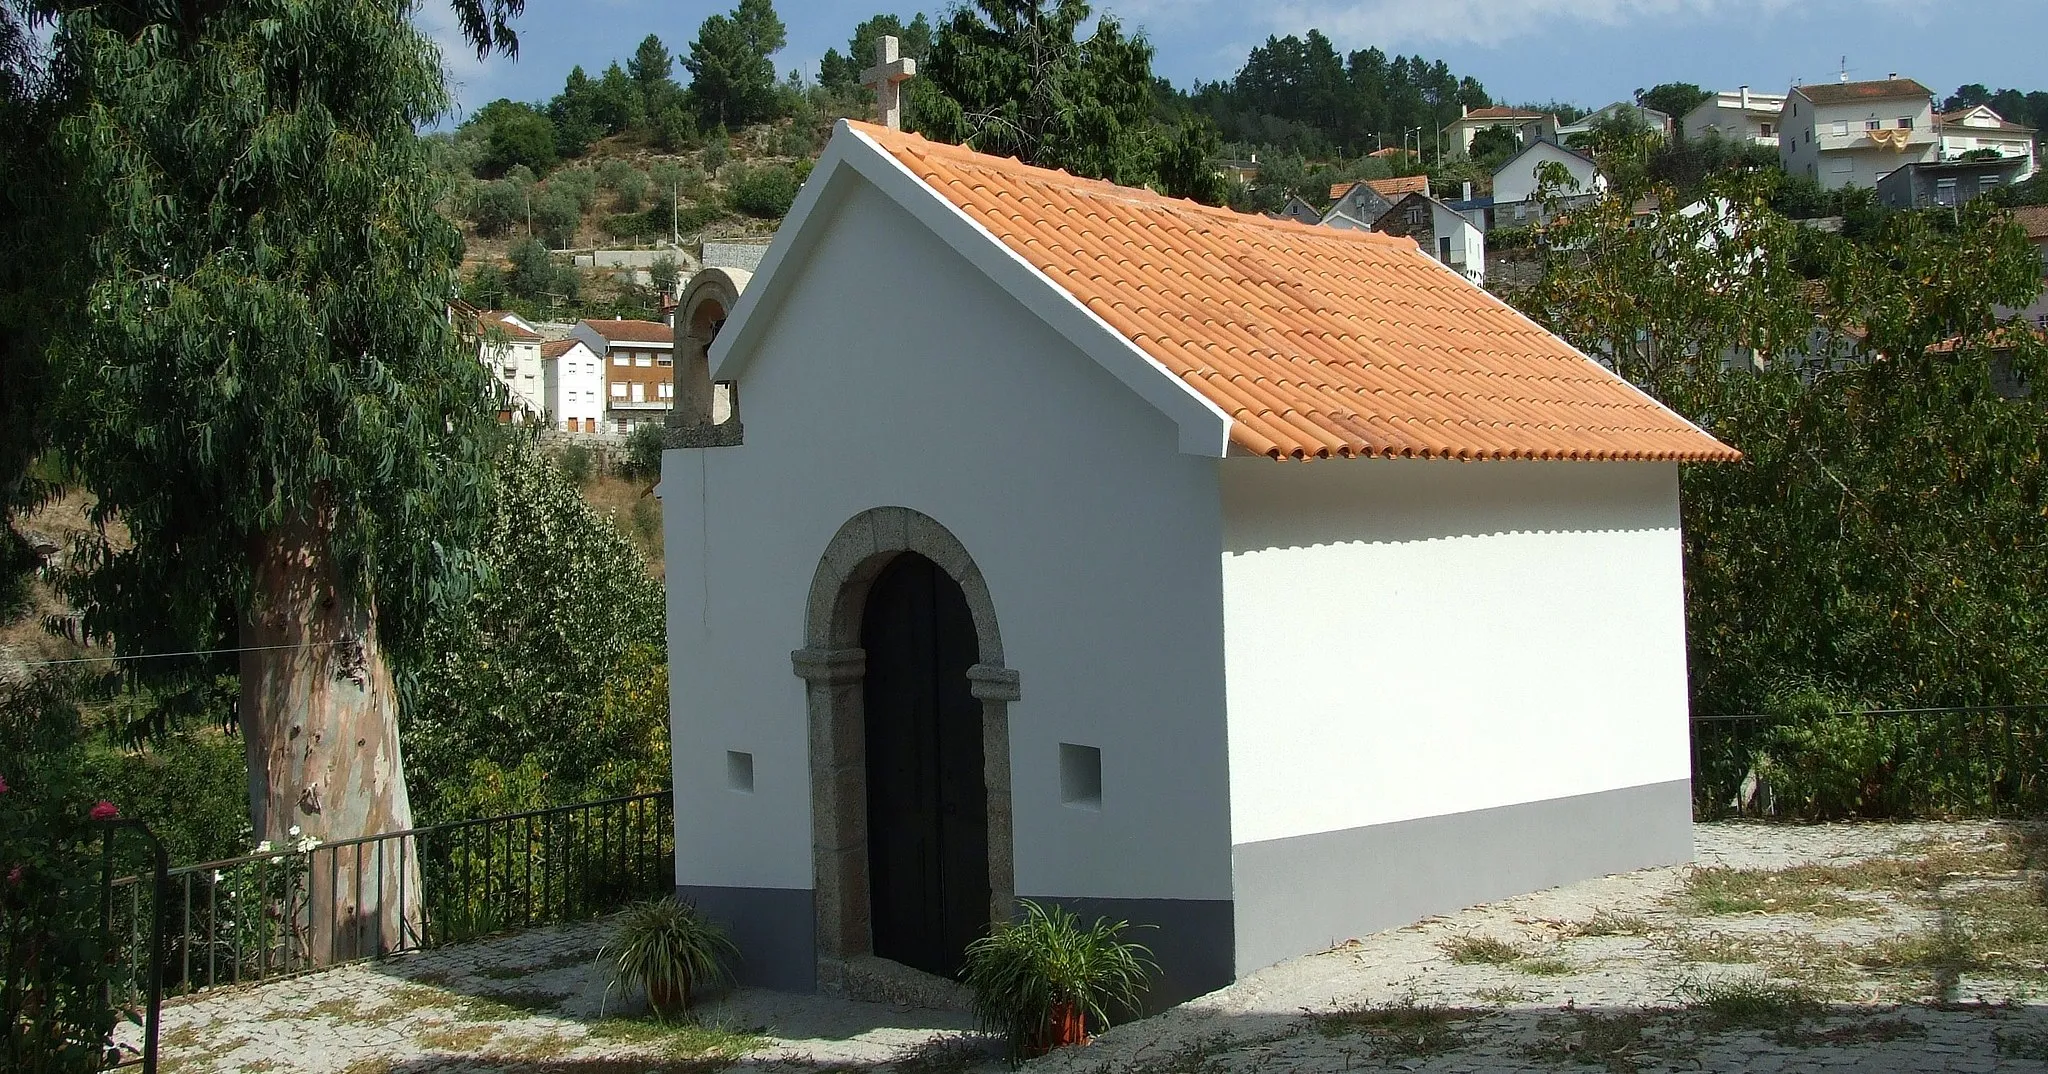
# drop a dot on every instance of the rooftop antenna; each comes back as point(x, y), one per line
point(1845, 69)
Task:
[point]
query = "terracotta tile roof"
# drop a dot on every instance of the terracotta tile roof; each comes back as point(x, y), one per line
point(2035, 219)
point(1846, 92)
point(1394, 189)
point(555, 348)
point(1390, 189)
point(1317, 342)
point(1957, 117)
point(632, 331)
point(501, 320)
point(1499, 112)
point(1389, 151)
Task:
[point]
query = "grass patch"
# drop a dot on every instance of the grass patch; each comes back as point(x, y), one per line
point(457, 1038)
point(1748, 1002)
point(1401, 1029)
point(506, 1006)
point(1875, 1031)
point(1547, 966)
point(1996, 931)
point(1718, 889)
point(1610, 924)
point(181, 1037)
point(679, 1038)
point(1505, 995)
point(1486, 950)
point(1598, 1039)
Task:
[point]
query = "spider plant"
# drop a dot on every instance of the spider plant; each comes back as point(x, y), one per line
point(1040, 981)
point(668, 947)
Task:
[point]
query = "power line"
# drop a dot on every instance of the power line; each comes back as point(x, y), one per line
point(167, 656)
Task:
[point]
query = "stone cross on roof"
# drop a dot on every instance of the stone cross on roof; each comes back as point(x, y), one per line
point(887, 77)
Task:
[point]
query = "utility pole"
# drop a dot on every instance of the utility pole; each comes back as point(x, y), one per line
point(675, 237)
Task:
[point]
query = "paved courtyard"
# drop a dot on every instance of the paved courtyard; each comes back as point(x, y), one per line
point(1828, 948)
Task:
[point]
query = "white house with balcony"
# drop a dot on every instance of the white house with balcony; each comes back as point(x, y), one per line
point(1970, 130)
point(1528, 126)
point(1843, 134)
point(1737, 115)
point(509, 346)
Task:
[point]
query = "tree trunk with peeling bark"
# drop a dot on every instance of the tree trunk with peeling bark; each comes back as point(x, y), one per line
point(319, 716)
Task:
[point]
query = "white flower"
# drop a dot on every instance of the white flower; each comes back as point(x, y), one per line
point(293, 831)
point(305, 844)
point(263, 847)
point(216, 876)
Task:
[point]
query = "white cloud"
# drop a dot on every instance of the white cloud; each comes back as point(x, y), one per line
point(467, 76)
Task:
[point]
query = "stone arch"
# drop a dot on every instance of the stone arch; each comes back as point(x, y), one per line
point(705, 414)
point(834, 667)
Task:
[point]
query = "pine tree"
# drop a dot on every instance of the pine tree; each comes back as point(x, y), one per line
point(732, 81)
point(1011, 77)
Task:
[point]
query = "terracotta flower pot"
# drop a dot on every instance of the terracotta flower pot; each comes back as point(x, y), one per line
point(668, 998)
point(1068, 1025)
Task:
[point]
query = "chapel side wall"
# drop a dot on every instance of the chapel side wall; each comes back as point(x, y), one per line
point(1448, 683)
point(896, 375)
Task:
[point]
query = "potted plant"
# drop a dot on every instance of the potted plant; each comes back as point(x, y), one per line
point(669, 948)
point(1042, 980)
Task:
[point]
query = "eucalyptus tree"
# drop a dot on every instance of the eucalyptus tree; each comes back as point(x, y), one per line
point(250, 366)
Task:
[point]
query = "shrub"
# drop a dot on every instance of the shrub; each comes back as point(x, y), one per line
point(717, 149)
point(643, 453)
point(667, 947)
point(1042, 980)
point(630, 190)
point(536, 275)
point(674, 128)
point(575, 464)
point(764, 192)
point(665, 274)
point(556, 216)
point(496, 207)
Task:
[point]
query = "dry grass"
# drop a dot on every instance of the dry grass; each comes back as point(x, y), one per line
point(1545, 966)
point(1402, 1029)
point(1606, 923)
point(1722, 890)
point(1487, 950)
point(457, 1038)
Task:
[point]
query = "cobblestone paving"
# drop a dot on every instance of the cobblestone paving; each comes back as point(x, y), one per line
point(1916, 948)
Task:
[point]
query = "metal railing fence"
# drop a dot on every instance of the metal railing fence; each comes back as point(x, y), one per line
point(1973, 760)
point(295, 909)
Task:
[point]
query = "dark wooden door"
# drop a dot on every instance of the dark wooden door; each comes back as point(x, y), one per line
point(927, 798)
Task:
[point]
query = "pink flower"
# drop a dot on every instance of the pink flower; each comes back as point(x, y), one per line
point(14, 876)
point(105, 811)
point(3, 784)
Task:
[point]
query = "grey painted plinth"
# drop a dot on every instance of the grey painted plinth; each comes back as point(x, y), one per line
point(1311, 892)
point(772, 927)
point(1190, 939)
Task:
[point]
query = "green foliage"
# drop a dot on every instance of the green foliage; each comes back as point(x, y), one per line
point(1024, 972)
point(672, 950)
point(262, 229)
point(717, 148)
point(629, 189)
point(650, 69)
point(189, 785)
point(765, 192)
point(1882, 533)
point(573, 112)
point(54, 1016)
point(1014, 78)
point(1187, 169)
point(576, 464)
point(1492, 146)
point(643, 454)
point(665, 274)
point(842, 72)
point(496, 207)
point(732, 81)
point(557, 657)
point(1674, 99)
point(517, 136)
point(537, 275)
point(674, 128)
point(556, 215)
point(615, 102)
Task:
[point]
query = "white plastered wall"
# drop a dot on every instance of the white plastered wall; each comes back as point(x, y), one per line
point(1409, 639)
point(896, 375)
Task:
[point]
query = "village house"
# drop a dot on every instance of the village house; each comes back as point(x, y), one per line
point(573, 376)
point(1440, 230)
point(639, 373)
point(1364, 201)
point(1737, 115)
point(1843, 134)
point(1947, 182)
point(1658, 123)
point(1527, 126)
point(1977, 130)
point(1269, 585)
point(509, 346)
point(1518, 182)
point(1299, 211)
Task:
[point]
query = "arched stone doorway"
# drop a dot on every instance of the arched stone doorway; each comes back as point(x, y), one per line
point(834, 666)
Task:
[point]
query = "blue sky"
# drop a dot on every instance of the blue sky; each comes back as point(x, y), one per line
point(1588, 51)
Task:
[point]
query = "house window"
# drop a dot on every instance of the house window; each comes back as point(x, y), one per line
point(664, 360)
point(1840, 165)
point(619, 390)
point(1987, 182)
point(1945, 192)
point(1765, 128)
point(643, 359)
point(1871, 124)
point(1905, 123)
point(619, 359)
point(639, 393)
point(1841, 128)
point(622, 426)
point(1415, 216)
point(668, 390)
point(1443, 249)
